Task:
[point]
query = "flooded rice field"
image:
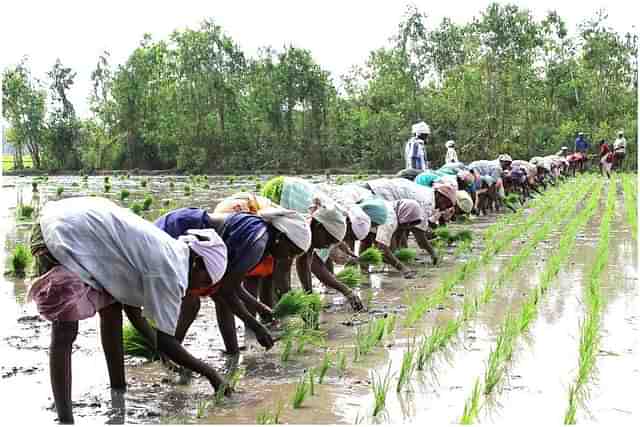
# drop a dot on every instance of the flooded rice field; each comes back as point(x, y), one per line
point(534, 379)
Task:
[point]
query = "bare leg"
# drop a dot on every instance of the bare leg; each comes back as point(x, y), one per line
point(227, 326)
point(188, 313)
point(111, 337)
point(63, 334)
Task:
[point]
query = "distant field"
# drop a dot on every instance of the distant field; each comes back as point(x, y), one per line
point(7, 162)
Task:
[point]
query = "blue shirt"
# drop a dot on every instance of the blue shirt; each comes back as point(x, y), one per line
point(581, 144)
point(177, 222)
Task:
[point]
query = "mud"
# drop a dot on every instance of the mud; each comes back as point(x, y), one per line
point(538, 378)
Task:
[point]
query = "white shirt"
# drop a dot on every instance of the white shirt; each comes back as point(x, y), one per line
point(452, 156)
point(619, 144)
point(400, 188)
point(115, 250)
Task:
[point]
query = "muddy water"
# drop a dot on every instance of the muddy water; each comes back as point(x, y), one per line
point(157, 395)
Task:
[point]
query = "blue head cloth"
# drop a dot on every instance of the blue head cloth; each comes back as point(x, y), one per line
point(246, 238)
point(428, 178)
point(376, 209)
point(178, 221)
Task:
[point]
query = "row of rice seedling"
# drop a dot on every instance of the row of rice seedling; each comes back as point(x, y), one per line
point(495, 242)
point(514, 326)
point(630, 204)
point(589, 342)
point(441, 335)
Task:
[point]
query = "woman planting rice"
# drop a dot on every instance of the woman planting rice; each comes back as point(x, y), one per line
point(94, 256)
point(249, 239)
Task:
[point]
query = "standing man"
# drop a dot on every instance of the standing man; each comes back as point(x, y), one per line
point(619, 150)
point(414, 152)
point(581, 143)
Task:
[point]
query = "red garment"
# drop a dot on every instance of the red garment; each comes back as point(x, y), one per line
point(604, 149)
point(264, 269)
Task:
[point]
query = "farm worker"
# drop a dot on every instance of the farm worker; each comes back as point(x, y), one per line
point(409, 174)
point(249, 239)
point(428, 177)
point(619, 149)
point(464, 202)
point(414, 151)
point(329, 227)
point(492, 168)
point(606, 163)
point(403, 215)
point(581, 143)
point(451, 156)
point(604, 150)
point(94, 256)
point(357, 227)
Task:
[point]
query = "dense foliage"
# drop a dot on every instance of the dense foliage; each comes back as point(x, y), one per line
point(505, 82)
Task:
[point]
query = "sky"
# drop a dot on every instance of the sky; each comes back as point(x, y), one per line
point(339, 34)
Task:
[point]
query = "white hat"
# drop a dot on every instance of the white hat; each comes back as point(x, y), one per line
point(620, 133)
point(449, 143)
point(420, 128)
point(504, 158)
point(564, 148)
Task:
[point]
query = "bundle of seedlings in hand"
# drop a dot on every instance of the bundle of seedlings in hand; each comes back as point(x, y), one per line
point(512, 200)
point(464, 236)
point(297, 302)
point(272, 189)
point(406, 255)
point(372, 256)
point(350, 276)
point(135, 344)
point(445, 235)
point(20, 260)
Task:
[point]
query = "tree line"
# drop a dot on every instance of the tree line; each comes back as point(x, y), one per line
point(504, 82)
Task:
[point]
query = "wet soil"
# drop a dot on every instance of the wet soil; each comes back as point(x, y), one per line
point(539, 377)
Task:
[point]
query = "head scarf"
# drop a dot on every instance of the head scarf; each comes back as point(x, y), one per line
point(427, 178)
point(211, 248)
point(409, 174)
point(242, 233)
point(420, 128)
point(376, 209)
point(360, 222)
point(449, 144)
point(330, 217)
point(446, 190)
point(408, 211)
point(291, 223)
point(504, 158)
point(464, 201)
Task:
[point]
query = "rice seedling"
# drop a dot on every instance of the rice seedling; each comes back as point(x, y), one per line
point(464, 236)
point(350, 276)
point(136, 208)
point(324, 367)
point(124, 194)
point(85, 177)
point(106, 180)
point(406, 255)
point(231, 180)
point(202, 407)
point(391, 323)
point(135, 344)
point(300, 393)
point(371, 256)
point(172, 185)
point(75, 184)
point(297, 302)
point(311, 382)
point(380, 386)
point(272, 189)
point(187, 190)
point(20, 260)
point(25, 211)
point(630, 205)
point(472, 405)
point(266, 417)
point(147, 202)
point(143, 182)
point(34, 186)
point(341, 362)
point(340, 180)
point(445, 235)
point(59, 191)
point(166, 203)
point(286, 350)
point(258, 187)
point(407, 367)
point(107, 188)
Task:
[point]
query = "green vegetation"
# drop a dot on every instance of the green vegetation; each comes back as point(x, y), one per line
point(147, 202)
point(631, 203)
point(380, 386)
point(272, 189)
point(406, 255)
point(350, 276)
point(136, 345)
point(143, 182)
point(324, 367)
point(407, 367)
point(372, 256)
point(298, 302)
point(267, 417)
point(136, 208)
point(472, 406)
point(34, 186)
point(187, 190)
point(59, 191)
point(124, 194)
point(301, 392)
point(107, 188)
point(20, 260)
point(25, 212)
